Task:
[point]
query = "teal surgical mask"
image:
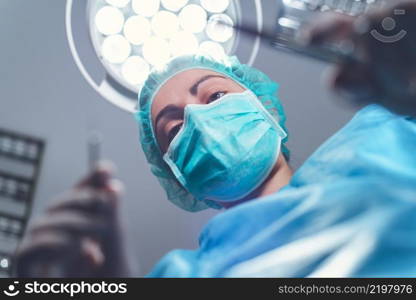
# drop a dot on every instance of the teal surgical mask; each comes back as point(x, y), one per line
point(225, 149)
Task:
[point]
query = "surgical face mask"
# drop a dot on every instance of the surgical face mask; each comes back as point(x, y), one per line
point(225, 149)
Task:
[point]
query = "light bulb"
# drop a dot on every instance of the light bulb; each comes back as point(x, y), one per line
point(165, 24)
point(215, 6)
point(156, 51)
point(135, 70)
point(145, 8)
point(213, 49)
point(116, 49)
point(193, 18)
point(109, 20)
point(183, 42)
point(137, 29)
point(174, 5)
point(220, 28)
point(118, 3)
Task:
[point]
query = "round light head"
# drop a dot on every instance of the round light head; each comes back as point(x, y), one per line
point(193, 18)
point(184, 43)
point(215, 6)
point(116, 49)
point(130, 37)
point(213, 49)
point(174, 5)
point(135, 70)
point(156, 51)
point(118, 3)
point(137, 29)
point(220, 28)
point(165, 24)
point(146, 8)
point(109, 20)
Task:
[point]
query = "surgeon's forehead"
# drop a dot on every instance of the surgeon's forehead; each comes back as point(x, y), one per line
point(186, 78)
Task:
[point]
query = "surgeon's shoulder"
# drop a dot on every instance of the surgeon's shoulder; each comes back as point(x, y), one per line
point(374, 112)
point(378, 112)
point(367, 192)
point(347, 198)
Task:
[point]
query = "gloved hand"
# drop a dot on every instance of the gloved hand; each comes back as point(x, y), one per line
point(79, 235)
point(385, 42)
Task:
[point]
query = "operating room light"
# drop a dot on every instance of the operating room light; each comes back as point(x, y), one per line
point(116, 49)
point(215, 6)
point(174, 5)
point(146, 8)
point(220, 28)
point(135, 70)
point(156, 51)
point(165, 24)
point(193, 18)
point(109, 20)
point(212, 48)
point(130, 34)
point(137, 29)
point(131, 37)
point(183, 43)
point(118, 3)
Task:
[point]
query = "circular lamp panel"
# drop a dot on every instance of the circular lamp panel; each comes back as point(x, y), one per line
point(131, 37)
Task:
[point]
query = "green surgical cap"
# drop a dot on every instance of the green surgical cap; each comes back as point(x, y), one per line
point(250, 78)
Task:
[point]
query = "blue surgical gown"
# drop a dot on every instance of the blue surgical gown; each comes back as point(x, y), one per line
point(349, 211)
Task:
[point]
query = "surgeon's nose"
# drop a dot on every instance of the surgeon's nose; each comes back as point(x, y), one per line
point(190, 100)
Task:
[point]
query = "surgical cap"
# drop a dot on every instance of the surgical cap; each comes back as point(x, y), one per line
point(250, 78)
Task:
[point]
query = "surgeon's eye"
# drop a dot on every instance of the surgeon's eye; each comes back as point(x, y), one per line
point(216, 96)
point(174, 131)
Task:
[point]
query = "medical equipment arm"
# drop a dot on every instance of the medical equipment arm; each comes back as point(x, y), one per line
point(386, 42)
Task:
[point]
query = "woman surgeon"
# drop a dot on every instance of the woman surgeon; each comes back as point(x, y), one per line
point(214, 135)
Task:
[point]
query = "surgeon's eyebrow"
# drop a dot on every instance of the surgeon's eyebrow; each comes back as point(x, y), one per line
point(194, 88)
